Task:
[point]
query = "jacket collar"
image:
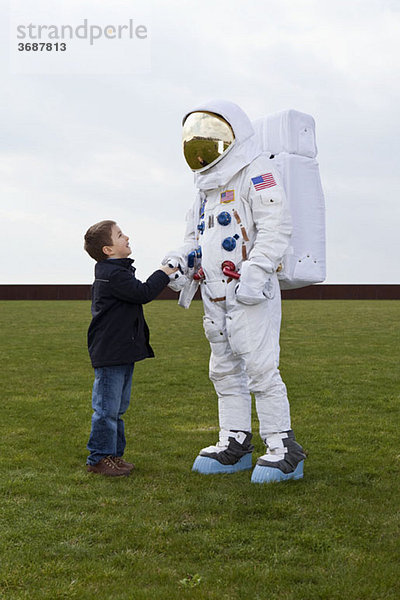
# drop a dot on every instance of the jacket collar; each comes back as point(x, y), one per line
point(123, 262)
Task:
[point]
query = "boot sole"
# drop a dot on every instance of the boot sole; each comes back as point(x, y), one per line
point(208, 466)
point(270, 474)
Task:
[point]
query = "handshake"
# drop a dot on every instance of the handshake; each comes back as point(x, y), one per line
point(168, 269)
point(256, 281)
point(172, 267)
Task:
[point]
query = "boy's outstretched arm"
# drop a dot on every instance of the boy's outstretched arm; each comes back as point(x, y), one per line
point(126, 287)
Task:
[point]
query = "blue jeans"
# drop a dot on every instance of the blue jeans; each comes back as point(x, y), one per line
point(110, 400)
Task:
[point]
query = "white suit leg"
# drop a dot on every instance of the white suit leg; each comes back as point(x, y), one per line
point(226, 371)
point(234, 400)
point(253, 334)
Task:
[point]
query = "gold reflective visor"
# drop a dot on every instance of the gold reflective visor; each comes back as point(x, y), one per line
point(205, 137)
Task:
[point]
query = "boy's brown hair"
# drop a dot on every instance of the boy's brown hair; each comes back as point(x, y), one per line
point(96, 237)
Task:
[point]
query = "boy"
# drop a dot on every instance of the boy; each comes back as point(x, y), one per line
point(118, 336)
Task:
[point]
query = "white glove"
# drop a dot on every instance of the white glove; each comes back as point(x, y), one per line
point(170, 259)
point(255, 285)
point(177, 281)
point(171, 262)
point(175, 260)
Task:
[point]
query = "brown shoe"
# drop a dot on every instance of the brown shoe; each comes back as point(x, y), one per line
point(122, 464)
point(107, 466)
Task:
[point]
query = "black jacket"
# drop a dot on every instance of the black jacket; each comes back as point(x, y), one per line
point(118, 333)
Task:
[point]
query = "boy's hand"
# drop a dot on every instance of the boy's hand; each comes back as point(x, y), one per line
point(168, 270)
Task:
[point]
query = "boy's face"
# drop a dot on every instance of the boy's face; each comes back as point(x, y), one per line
point(120, 244)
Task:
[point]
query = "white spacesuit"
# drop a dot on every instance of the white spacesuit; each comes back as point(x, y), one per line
point(238, 230)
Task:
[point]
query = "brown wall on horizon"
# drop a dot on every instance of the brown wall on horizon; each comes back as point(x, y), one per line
point(312, 292)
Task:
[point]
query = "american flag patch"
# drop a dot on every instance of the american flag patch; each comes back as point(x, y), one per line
point(228, 196)
point(263, 181)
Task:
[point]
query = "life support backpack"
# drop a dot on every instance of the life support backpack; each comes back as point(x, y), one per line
point(290, 138)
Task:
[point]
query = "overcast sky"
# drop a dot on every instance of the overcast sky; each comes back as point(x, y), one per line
point(76, 149)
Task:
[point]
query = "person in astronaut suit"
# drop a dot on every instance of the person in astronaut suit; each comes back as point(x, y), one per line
point(239, 215)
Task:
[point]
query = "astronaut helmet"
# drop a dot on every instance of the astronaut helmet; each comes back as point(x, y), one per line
point(206, 138)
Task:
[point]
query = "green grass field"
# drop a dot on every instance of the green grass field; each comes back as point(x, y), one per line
point(166, 532)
